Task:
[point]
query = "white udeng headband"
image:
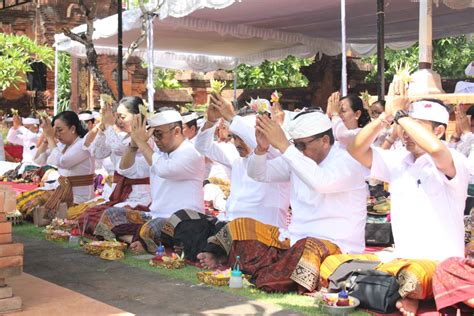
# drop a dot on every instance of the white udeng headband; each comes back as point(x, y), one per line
point(309, 124)
point(85, 116)
point(429, 111)
point(189, 117)
point(30, 120)
point(165, 117)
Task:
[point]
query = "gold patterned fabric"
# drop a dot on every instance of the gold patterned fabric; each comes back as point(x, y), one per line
point(27, 201)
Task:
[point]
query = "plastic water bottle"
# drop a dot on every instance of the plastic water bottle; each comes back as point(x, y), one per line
point(236, 264)
point(160, 251)
point(235, 281)
point(74, 240)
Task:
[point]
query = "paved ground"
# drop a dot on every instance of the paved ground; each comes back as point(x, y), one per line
point(131, 289)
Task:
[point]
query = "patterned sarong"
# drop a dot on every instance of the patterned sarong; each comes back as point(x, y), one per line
point(77, 210)
point(275, 266)
point(242, 229)
point(414, 276)
point(190, 230)
point(150, 234)
point(27, 201)
point(116, 216)
point(453, 283)
point(64, 193)
point(91, 216)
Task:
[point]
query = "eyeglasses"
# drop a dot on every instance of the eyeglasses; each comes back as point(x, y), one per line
point(233, 136)
point(301, 146)
point(159, 134)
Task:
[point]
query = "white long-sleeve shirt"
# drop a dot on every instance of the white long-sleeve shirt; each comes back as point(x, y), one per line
point(26, 138)
point(176, 179)
point(265, 202)
point(112, 145)
point(427, 208)
point(342, 134)
point(74, 161)
point(328, 200)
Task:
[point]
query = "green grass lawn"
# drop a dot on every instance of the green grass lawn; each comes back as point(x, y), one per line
point(294, 302)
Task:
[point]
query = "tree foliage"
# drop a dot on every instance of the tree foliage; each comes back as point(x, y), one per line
point(16, 55)
point(450, 57)
point(165, 79)
point(279, 74)
point(64, 81)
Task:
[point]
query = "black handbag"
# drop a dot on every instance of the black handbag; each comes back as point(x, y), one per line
point(378, 234)
point(376, 290)
point(342, 273)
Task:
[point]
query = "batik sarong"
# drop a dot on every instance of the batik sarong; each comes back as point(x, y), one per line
point(91, 216)
point(190, 230)
point(150, 234)
point(273, 264)
point(26, 202)
point(117, 216)
point(453, 283)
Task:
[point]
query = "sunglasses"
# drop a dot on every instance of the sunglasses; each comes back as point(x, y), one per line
point(301, 146)
point(159, 134)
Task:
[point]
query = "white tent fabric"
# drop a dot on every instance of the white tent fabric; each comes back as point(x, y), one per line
point(250, 31)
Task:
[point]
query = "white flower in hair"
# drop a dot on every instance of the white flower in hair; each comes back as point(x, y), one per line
point(143, 109)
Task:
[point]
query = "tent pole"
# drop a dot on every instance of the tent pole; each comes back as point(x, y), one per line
point(150, 50)
point(380, 50)
point(236, 105)
point(343, 49)
point(56, 64)
point(119, 52)
point(426, 35)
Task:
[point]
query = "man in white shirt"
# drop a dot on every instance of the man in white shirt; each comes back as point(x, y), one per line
point(176, 168)
point(190, 126)
point(328, 199)
point(25, 132)
point(266, 202)
point(428, 181)
point(88, 119)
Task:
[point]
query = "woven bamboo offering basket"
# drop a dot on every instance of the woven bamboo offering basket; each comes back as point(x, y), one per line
point(173, 261)
point(96, 247)
point(55, 236)
point(208, 277)
point(174, 264)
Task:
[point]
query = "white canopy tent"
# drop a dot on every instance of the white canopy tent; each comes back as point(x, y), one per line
point(192, 34)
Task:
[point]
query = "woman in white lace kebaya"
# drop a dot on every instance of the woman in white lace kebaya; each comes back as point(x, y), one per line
point(111, 138)
point(63, 149)
point(348, 116)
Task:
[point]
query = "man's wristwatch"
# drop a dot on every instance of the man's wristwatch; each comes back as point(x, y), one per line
point(400, 114)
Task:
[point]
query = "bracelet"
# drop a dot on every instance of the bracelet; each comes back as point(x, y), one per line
point(384, 121)
point(135, 148)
